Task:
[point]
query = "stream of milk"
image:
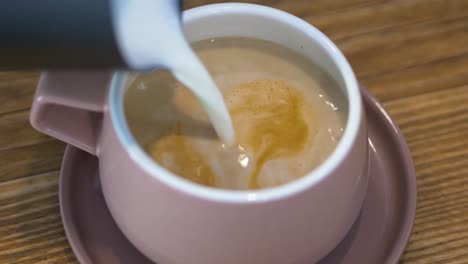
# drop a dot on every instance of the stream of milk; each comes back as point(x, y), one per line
point(150, 35)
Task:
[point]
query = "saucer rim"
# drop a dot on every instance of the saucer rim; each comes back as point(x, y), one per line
point(401, 242)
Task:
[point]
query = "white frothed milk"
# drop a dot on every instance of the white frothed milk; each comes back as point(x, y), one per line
point(288, 116)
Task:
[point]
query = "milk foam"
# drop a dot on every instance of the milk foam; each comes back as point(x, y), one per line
point(172, 126)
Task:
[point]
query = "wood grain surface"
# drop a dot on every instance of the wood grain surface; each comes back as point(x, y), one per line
point(411, 54)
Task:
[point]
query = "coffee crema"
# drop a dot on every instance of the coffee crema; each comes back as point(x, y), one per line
point(288, 116)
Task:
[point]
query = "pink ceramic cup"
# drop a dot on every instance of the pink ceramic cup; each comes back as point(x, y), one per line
point(174, 221)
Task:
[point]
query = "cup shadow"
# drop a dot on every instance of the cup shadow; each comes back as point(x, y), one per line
point(339, 253)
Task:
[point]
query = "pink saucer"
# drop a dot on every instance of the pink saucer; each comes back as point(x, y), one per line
point(379, 235)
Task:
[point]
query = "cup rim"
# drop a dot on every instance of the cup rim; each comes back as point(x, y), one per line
point(319, 173)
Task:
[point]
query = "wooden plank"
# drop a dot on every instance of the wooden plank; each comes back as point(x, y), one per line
point(403, 47)
point(16, 131)
point(31, 230)
point(435, 76)
point(15, 75)
point(384, 15)
point(16, 93)
point(299, 8)
point(306, 8)
point(30, 160)
point(431, 115)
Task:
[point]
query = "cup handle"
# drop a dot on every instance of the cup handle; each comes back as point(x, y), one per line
point(69, 106)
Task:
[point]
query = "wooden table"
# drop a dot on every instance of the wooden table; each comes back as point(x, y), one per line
point(411, 54)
